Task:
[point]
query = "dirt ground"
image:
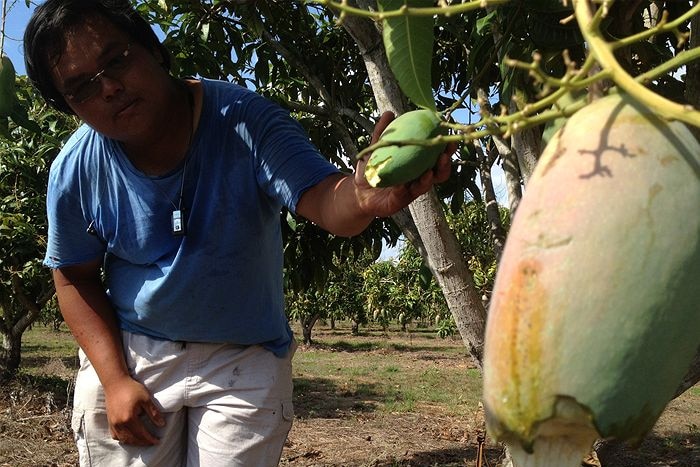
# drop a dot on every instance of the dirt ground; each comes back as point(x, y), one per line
point(35, 431)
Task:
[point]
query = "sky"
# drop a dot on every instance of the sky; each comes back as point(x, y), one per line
point(17, 17)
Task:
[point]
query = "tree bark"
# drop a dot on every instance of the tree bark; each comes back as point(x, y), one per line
point(439, 246)
point(512, 174)
point(10, 354)
point(447, 264)
point(498, 233)
point(11, 329)
point(510, 161)
point(307, 325)
point(527, 147)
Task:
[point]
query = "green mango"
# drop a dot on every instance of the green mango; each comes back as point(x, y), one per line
point(396, 165)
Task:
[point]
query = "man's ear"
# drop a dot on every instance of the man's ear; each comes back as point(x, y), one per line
point(158, 55)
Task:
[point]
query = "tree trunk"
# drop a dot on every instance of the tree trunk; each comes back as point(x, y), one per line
point(307, 324)
point(510, 161)
point(17, 315)
point(493, 214)
point(355, 330)
point(451, 272)
point(439, 247)
point(527, 147)
point(10, 354)
point(512, 174)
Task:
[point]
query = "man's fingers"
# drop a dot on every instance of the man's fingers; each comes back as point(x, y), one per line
point(141, 435)
point(136, 431)
point(421, 185)
point(381, 125)
point(442, 169)
point(154, 414)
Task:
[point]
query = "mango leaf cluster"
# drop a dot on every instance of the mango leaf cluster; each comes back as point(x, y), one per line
point(25, 285)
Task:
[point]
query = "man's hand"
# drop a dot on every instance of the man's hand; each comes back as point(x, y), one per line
point(346, 204)
point(383, 202)
point(127, 402)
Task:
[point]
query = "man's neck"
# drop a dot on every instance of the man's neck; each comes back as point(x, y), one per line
point(168, 145)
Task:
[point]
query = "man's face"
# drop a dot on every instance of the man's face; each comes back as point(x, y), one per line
point(111, 82)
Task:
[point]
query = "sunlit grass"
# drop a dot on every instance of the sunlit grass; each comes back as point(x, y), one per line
point(405, 373)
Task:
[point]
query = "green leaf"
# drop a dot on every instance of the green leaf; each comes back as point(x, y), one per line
point(4, 130)
point(483, 25)
point(425, 275)
point(20, 117)
point(408, 41)
point(204, 32)
point(291, 222)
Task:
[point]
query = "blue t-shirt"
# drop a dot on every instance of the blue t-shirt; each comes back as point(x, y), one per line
point(222, 282)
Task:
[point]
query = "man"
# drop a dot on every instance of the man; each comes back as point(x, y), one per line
point(165, 242)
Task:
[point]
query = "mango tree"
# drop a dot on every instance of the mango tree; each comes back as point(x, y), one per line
point(610, 67)
point(339, 296)
point(30, 138)
point(560, 426)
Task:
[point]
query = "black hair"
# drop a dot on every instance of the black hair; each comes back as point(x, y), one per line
point(45, 37)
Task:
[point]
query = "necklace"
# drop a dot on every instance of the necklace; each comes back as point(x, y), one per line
point(178, 220)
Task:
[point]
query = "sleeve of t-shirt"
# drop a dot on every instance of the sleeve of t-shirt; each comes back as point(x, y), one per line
point(288, 163)
point(69, 242)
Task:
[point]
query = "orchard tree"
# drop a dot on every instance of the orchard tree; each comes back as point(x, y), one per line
point(343, 293)
point(338, 295)
point(402, 290)
point(385, 294)
point(29, 142)
point(424, 301)
point(481, 247)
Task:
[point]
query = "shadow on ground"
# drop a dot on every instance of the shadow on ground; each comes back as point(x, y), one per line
point(323, 398)
point(444, 457)
point(672, 450)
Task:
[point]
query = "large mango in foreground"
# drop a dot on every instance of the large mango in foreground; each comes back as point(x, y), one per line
point(595, 314)
point(395, 165)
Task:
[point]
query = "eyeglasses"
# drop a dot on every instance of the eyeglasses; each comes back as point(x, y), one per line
point(114, 69)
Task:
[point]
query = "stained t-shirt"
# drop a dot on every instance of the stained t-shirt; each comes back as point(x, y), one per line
point(222, 281)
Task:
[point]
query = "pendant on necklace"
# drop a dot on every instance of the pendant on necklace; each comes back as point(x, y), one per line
point(178, 223)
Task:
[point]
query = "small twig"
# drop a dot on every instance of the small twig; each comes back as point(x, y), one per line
point(2, 28)
point(603, 53)
point(34, 417)
point(344, 8)
point(662, 26)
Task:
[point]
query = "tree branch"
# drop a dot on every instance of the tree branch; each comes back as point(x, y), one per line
point(32, 307)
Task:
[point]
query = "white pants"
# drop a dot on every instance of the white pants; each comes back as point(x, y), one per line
point(224, 405)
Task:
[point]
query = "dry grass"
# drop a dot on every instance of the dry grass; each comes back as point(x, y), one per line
point(349, 410)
